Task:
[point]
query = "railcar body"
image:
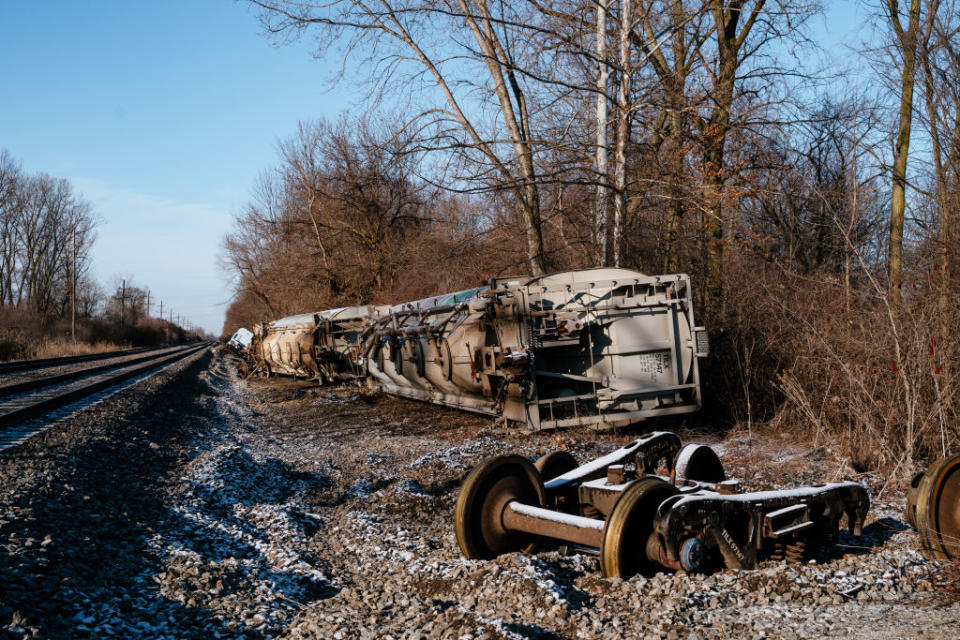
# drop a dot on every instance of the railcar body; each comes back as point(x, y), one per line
point(240, 340)
point(320, 345)
point(591, 347)
point(597, 346)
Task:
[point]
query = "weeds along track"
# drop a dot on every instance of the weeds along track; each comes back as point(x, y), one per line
point(29, 407)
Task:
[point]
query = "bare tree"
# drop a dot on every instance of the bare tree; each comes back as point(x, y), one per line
point(38, 216)
point(940, 64)
point(742, 33)
point(602, 206)
point(908, 39)
point(406, 30)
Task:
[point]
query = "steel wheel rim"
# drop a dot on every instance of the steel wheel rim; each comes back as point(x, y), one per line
point(487, 489)
point(938, 509)
point(623, 550)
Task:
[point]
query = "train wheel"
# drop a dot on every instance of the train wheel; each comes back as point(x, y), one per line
point(623, 551)
point(554, 464)
point(699, 462)
point(936, 509)
point(480, 505)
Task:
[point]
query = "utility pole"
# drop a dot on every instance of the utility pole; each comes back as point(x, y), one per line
point(123, 298)
point(148, 304)
point(73, 290)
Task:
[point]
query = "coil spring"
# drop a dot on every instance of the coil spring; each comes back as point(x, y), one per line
point(792, 551)
point(796, 551)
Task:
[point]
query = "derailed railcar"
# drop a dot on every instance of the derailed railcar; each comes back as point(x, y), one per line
point(323, 345)
point(637, 521)
point(598, 346)
point(240, 340)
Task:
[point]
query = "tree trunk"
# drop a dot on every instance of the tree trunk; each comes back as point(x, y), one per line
point(946, 304)
point(518, 127)
point(676, 174)
point(908, 46)
point(602, 211)
point(624, 115)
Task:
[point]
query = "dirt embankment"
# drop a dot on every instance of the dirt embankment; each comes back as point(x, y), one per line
point(199, 505)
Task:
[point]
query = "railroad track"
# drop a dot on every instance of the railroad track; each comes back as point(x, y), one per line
point(24, 405)
point(43, 363)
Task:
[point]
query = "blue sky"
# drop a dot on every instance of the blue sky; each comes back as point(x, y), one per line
point(162, 114)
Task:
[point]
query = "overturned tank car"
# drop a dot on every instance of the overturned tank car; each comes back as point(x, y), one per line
point(323, 345)
point(591, 347)
point(687, 518)
point(598, 346)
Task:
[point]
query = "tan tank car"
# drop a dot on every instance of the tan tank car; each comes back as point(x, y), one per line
point(320, 345)
point(591, 347)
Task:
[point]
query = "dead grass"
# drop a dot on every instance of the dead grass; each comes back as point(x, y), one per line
point(56, 348)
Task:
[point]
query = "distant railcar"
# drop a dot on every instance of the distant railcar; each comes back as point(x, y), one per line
point(590, 347)
point(240, 340)
point(323, 345)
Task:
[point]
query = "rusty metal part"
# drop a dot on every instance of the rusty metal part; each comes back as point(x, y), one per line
point(486, 492)
point(933, 507)
point(617, 474)
point(624, 550)
point(555, 463)
point(652, 522)
point(910, 511)
point(700, 463)
point(517, 516)
point(645, 452)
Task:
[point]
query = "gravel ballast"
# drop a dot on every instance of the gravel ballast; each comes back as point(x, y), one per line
point(200, 505)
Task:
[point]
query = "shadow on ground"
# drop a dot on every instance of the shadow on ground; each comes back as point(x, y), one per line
point(79, 557)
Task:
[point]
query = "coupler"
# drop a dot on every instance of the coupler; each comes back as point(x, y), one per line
point(649, 506)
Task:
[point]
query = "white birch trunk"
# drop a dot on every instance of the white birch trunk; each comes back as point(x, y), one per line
point(602, 211)
point(623, 130)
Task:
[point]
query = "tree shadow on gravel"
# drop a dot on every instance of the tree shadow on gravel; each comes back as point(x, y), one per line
point(81, 557)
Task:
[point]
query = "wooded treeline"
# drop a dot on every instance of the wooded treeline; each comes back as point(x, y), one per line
point(47, 232)
point(814, 208)
point(39, 215)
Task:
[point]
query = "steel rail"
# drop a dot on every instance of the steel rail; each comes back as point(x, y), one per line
point(42, 363)
point(49, 381)
point(49, 403)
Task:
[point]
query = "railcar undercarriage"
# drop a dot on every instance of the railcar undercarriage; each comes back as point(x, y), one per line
point(689, 517)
